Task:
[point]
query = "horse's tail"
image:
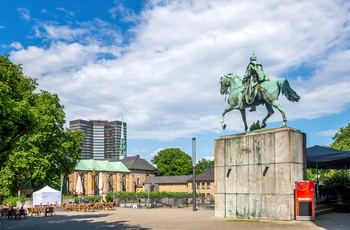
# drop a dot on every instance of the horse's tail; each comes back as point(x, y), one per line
point(290, 94)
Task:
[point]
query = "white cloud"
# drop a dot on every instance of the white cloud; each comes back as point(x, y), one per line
point(16, 45)
point(24, 13)
point(327, 133)
point(166, 81)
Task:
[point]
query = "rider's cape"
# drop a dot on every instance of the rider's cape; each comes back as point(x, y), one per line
point(260, 73)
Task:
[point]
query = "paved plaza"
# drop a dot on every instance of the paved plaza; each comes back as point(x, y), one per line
point(165, 218)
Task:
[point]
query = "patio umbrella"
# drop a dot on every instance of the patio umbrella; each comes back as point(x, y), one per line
point(100, 183)
point(79, 187)
point(327, 158)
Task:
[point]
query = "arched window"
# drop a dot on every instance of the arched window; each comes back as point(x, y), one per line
point(96, 189)
point(82, 181)
point(110, 183)
point(123, 182)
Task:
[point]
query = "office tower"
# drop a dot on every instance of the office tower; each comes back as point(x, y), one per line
point(103, 139)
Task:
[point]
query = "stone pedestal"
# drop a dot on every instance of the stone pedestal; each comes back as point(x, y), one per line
point(255, 173)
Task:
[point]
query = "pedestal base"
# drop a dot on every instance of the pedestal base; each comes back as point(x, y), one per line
point(255, 174)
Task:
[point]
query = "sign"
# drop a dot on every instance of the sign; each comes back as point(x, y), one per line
point(304, 200)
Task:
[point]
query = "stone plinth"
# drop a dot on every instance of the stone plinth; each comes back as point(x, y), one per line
point(255, 173)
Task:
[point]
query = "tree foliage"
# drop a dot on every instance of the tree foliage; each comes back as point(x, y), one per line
point(172, 162)
point(35, 148)
point(204, 164)
point(338, 182)
point(255, 126)
point(341, 139)
point(16, 101)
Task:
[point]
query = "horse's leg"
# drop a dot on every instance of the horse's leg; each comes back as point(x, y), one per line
point(228, 109)
point(278, 106)
point(244, 119)
point(269, 113)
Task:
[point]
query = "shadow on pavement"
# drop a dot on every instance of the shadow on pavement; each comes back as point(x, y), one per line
point(72, 222)
point(333, 220)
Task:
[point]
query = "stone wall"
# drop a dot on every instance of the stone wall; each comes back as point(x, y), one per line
point(255, 173)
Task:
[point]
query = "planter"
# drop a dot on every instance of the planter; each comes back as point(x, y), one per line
point(341, 208)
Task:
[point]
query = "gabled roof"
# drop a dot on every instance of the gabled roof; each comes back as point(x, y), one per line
point(47, 189)
point(167, 180)
point(137, 163)
point(101, 165)
point(207, 175)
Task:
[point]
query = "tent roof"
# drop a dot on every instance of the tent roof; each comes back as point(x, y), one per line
point(327, 158)
point(47, 189)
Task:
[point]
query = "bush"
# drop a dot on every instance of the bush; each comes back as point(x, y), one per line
point(109, 197)
point(339, 182)
point(255, 126)
point(13, 200)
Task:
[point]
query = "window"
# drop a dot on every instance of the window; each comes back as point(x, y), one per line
point(208, 197)
point(203, 185)
point(110, 183)
point(198, 185)
point(208, 185)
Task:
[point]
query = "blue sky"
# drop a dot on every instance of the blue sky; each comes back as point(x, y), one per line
point(158, 63)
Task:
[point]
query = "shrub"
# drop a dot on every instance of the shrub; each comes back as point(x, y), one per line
point(13, 200)
point(109, 197)
point(339, 182)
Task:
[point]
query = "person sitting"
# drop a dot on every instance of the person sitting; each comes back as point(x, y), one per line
point(253, 76)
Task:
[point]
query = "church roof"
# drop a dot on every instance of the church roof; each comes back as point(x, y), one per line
point(101, 165)
point(137, 163)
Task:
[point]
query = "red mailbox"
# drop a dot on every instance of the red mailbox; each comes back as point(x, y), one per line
point(304, 200)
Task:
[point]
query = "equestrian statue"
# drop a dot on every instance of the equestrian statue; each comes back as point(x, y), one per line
point(255, 89)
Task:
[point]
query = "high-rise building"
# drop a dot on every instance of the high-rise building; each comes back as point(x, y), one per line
point(103, 139)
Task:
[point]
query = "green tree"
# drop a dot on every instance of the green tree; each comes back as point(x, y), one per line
point(255, 126)
point(341, 139)
point(338, 182)
point(16, 100)
point(204, 164)
point(41, 151)
point(172, 162)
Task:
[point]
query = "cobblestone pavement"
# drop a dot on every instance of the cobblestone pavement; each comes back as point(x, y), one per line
point(165, 218)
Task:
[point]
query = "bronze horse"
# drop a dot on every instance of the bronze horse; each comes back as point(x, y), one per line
point(267, 93)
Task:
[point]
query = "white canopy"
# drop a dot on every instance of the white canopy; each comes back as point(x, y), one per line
point(46, 195)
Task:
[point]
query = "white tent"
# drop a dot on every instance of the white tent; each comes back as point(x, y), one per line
point(46, 196)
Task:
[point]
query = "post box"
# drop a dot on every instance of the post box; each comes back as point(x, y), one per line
point(304, 200)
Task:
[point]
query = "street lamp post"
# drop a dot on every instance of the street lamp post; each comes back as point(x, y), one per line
point(149, 200)
point(194, 173)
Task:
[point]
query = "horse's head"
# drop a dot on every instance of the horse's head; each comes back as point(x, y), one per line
point(224, 85)
point(229, 80)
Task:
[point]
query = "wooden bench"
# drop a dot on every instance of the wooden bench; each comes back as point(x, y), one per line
point(49, 210)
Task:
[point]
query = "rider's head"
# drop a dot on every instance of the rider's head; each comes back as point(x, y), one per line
point(253, 60)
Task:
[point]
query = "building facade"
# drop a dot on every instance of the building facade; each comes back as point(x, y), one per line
point(205, 184)
point(99, 178)
point(141, 170)
point(103, 139)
